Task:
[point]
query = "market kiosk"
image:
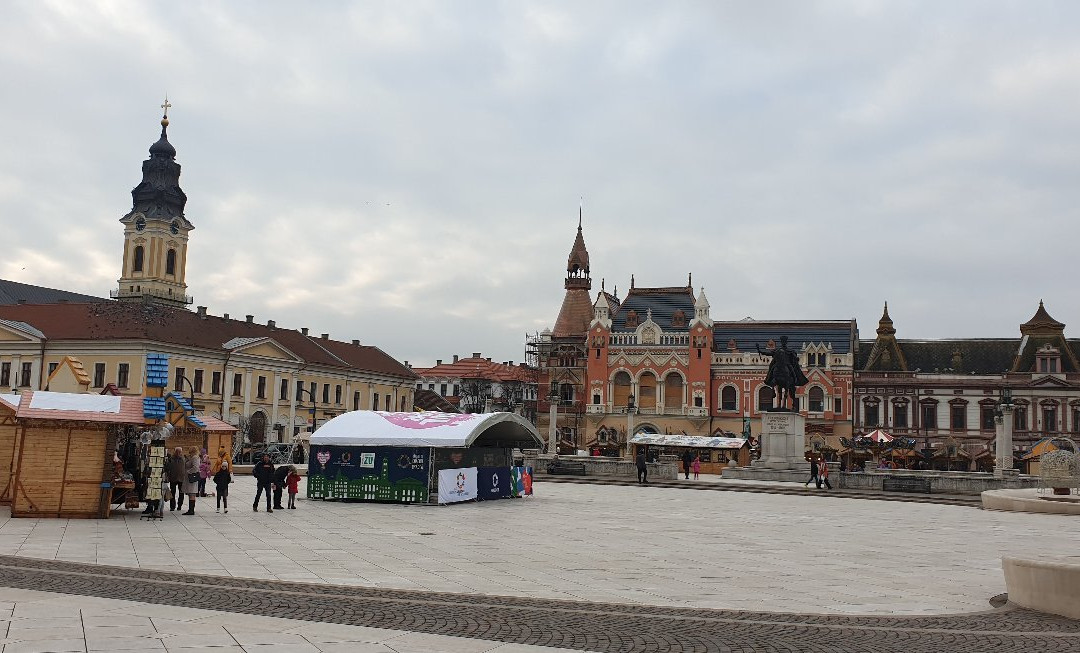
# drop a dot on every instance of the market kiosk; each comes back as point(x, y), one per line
point(716, 452)
point(420, 456)
point(9, 404)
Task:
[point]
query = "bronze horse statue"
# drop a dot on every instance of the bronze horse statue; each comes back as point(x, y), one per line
point(784, 374)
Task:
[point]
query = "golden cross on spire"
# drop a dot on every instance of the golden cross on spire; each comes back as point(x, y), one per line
point(166, 106)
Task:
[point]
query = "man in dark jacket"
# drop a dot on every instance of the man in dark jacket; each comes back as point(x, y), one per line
point(174, 471)
point(642, 468)
point(280, 476)
point(264, 476)
point(687, 460)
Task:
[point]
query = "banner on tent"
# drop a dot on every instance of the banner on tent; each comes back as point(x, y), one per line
point(521, 481)
point(457, 485)
point(493, 483)
point(397, 474)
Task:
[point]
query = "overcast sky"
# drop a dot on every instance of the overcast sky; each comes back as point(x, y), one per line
point(409, 173)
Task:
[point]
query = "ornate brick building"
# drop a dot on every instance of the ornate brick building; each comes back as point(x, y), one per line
point(944, 392)
point(655, 361)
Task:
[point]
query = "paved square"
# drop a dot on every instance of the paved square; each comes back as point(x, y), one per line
point(658, 546)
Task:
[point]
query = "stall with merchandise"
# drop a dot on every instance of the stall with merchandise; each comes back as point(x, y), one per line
point(714, 452)
point(419, 457)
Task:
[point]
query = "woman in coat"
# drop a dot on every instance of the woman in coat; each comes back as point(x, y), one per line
point(191, 478)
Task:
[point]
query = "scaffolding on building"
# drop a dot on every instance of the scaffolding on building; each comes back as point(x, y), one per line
point(561, 363)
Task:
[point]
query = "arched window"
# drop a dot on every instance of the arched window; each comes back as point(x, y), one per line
point(646, 390)
point(673, 390)
point(137, 265)
point(729, 398)
point(170, 262)
point(765, 398)
point(622, 388)
point(817, 400)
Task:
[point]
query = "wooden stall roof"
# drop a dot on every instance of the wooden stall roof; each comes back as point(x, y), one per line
point(9, 402)
point(130, 410)
point(215, 425)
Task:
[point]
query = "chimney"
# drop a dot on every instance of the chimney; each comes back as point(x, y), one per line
point(356, 342)
point(270, 323)
point(224, 316)
point(455, 358)
point(476, 354)
point(201, 311)
point(438, 362)
point(407, 365)
point(325, 336)
point(304, 331)
point(250, 318)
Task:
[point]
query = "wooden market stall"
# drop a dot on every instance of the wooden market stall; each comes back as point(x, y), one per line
point(8, 405)
point(64, 459)
point(716, 452)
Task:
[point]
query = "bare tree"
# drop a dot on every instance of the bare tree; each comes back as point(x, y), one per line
point(474, 394)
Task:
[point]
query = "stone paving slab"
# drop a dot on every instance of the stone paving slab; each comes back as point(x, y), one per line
point(426, 621)
point(109, 624)
point(649, 546)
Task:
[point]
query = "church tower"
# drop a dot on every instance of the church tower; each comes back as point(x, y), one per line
point(156, 231)
point(577, 307)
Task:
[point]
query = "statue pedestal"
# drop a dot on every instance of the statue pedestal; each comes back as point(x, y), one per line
point(783, 442)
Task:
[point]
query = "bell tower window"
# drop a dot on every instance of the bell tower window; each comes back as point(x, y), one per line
point(170, 262)
point(137, 265)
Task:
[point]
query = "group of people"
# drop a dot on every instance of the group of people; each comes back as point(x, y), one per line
point(187, 474)
point(269, 478)
point(819, 473)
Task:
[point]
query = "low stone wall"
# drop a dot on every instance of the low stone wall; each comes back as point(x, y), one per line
point(940, 482)
point(1046, 584)
point(800, 474)
point(604, 466)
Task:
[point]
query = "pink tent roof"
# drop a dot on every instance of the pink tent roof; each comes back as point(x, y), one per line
point(877, 435)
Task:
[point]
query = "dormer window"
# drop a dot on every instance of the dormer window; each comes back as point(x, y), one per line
point(632, 320)
point(1048, 360)
point(678, 319)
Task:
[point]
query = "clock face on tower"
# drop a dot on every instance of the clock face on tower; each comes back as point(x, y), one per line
point(140, 223)
point(174, 227)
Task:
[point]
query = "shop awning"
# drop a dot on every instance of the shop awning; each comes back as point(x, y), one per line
point(694, 441)
point(427, 429)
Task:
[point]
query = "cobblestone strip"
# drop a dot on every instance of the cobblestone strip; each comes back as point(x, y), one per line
point(563, 624)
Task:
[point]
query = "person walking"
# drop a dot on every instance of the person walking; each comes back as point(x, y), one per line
point(687, 460)
point(697, 467)
point(642, 468)
point(813, 474)
point(174, 474)
point(204, 472)
point(823, 474)
point(221, 482)
point(293, 482)
point(281, 476)
point(264, 478)
point(191, 479)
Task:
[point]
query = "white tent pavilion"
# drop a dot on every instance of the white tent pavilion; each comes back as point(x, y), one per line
point(427, 429)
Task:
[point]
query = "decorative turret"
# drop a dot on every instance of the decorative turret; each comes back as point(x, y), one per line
point(701, 310)
point(156, 231)
point(577, 264)
point(601, 312)
point(1041, 324)
point(885, 325)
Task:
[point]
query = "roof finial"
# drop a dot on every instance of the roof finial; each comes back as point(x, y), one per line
point(165, 113)
point(631, 281)
point(601, 284)
point(690, 280)
point(581, 202)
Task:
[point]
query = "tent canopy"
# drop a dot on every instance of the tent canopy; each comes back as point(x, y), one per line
point(877, 435)
point(696, 441)
point(427, 429)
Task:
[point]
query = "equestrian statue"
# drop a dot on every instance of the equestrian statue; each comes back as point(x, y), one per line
point(784, 375)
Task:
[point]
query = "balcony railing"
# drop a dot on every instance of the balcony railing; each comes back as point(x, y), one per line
point(153, 292)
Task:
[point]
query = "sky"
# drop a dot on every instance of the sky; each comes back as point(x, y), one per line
point(411, 173)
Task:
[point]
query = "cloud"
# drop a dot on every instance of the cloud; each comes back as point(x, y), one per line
point(409, 174)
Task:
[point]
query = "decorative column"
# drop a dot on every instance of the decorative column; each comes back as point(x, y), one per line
point(553, 418)
point(226, 394)
point(1003, 458)
point(275, 392)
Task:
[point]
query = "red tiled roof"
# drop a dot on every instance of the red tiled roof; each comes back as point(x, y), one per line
point(131, 412)
point(137, 321)
point(575, 315)
point(482, 368)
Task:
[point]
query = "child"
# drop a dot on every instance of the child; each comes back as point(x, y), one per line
point(293, 482)
point(222, 480)
point(697, 466)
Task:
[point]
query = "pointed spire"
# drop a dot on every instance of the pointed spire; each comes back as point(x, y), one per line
point(701, 310)
point(577, 264)
point(631, 281)
point(1042, 324)
point(885, 324)
point(159, 195)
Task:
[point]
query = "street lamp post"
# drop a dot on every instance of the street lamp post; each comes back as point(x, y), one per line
point(300, 390)
point(630, 417)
